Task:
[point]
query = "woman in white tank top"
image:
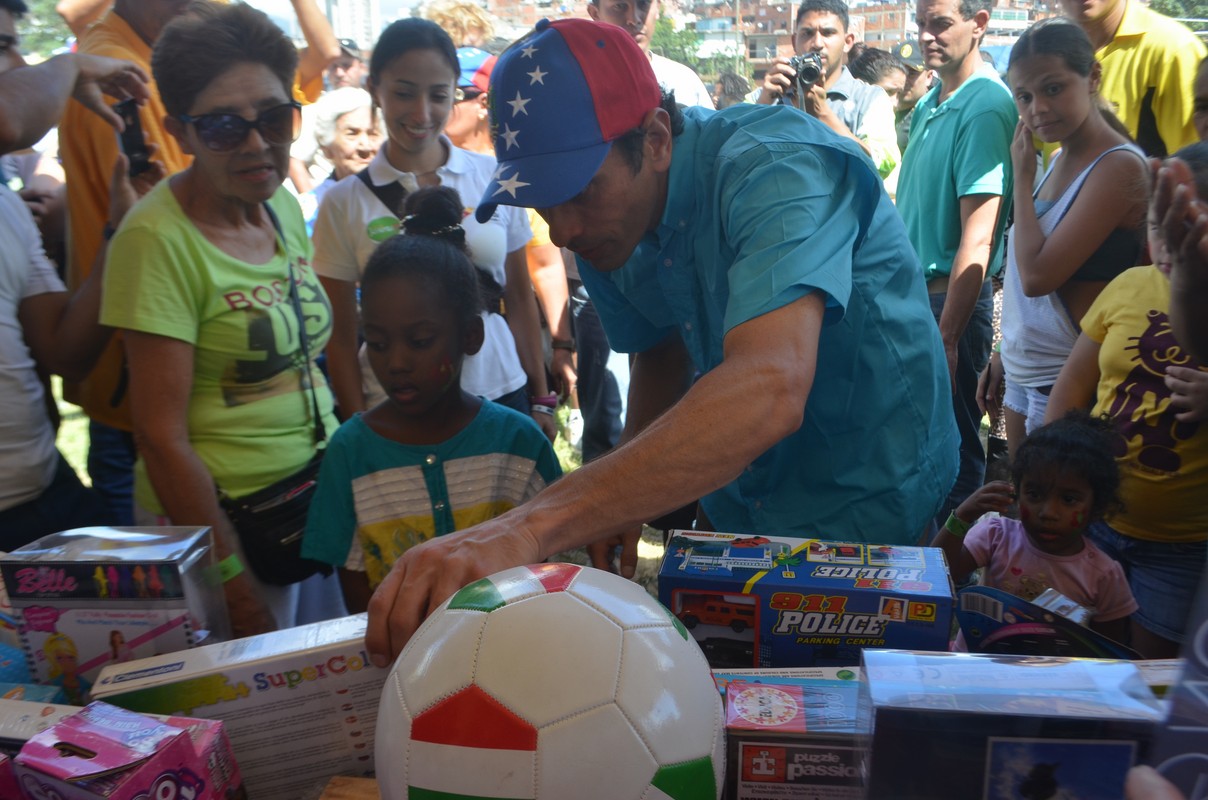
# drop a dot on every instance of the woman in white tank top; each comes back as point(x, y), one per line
point(1081, 227)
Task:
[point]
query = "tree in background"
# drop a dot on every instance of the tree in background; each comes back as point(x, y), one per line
point(1184, 9)
point(42, 30)
point(676, 45)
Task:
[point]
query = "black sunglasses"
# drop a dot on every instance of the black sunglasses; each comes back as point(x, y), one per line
point(222, 133)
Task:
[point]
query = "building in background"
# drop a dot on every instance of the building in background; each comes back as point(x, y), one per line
point(359, 20)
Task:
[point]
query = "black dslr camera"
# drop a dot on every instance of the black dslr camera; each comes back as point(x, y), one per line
point(807, 69)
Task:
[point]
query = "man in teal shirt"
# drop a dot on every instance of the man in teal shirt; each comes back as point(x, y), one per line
point(752, 245)
point(954, 193)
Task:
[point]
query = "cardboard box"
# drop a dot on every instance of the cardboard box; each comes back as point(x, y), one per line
point(88, 597)
point(793, 741)
point(8, 779)
point(994, 621)
point(21, 720)
point(299, 705)
point(760, 601)
point(966, 726)
point(798, 676)
point(214, 754)
point(106, 753)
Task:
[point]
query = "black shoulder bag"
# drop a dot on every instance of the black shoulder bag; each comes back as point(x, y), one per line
point(270, 522)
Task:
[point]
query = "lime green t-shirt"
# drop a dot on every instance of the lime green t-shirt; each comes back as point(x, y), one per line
point(249, 415)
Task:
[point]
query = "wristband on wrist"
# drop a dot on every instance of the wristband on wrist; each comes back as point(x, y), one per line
point(549, 401)
point(540, 409)
point(998, 346)
point(957, 526)
point(225, 570)
point(563, 344)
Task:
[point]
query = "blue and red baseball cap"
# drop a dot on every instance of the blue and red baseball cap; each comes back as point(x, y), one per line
point(476, 66)
point(558, 99)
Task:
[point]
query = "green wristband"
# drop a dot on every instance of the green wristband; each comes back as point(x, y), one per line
point(225, 570)
point(957, 526)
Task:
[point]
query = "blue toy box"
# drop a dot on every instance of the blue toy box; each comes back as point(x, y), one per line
point(1001, 727)
point(760, 601)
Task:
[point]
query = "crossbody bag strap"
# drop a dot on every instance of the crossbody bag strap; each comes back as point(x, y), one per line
point(296, 302)
point(391, 194)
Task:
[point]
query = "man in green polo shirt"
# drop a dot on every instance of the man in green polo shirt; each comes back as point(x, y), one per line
point(954, 194)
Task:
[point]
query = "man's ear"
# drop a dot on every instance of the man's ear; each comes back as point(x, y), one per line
point(981, 21)
point(848, 41)
point(657, 125)
point(593, 11)
point(474, 335)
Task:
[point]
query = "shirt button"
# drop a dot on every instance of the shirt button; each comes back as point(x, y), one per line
point(758, 504)
point(430, 459)
point(687, 326)
point(666, 262)
point(439, 505)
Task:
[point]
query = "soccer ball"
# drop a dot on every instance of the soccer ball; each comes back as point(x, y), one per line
point(550, 682)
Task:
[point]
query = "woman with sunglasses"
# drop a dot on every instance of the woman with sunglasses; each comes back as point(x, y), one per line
point(413, 79)
point(209, 278)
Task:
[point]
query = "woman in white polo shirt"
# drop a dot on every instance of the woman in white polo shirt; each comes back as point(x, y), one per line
point(413, 79)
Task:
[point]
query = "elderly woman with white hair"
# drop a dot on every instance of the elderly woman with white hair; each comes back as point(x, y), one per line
point(348, 133)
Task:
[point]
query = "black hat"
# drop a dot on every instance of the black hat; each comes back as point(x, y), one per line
point(908, 52)
point(349, 48)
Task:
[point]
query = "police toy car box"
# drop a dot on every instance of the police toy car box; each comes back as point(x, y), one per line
point(760, 601)
point(1001, 727)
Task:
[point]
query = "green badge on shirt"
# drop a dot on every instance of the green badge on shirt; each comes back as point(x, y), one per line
point(382, 228)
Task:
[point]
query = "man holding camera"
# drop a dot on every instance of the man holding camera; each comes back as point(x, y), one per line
point(818, 82)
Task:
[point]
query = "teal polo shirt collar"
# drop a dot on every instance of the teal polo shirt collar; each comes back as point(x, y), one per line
point(959, 98)
point(680, 208)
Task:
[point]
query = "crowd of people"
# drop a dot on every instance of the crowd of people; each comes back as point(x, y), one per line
point(368, 277)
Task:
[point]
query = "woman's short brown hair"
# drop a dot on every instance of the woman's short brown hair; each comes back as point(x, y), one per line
point(210, 38)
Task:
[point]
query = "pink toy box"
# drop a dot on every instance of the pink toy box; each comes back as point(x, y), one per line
point(90, 597)
point(108, 753)
point(8, 779)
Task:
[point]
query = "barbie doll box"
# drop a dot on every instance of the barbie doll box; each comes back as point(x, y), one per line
point(1001, 726)
point(767, 601)
point(89, 597)
point(299, 705)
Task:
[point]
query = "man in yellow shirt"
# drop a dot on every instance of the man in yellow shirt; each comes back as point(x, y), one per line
point(1149, 63)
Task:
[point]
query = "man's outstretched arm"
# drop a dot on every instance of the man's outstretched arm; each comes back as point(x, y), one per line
point(731, 416)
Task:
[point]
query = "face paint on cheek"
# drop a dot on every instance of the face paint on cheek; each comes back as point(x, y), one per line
point(1079, 519)
point(444, 373)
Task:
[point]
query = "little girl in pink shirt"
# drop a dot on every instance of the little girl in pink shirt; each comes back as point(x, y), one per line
point(1065, 477)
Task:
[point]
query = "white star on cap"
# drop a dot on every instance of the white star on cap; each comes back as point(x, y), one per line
point(518, 105)
point(527, 52)
point(511, 185)
point(537, 76)
point(509, 136)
